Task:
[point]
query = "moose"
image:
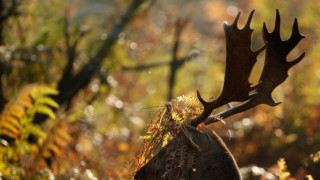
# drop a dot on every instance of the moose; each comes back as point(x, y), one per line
point(210, 157)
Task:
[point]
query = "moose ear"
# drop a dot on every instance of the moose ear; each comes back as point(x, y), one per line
point(198, 138)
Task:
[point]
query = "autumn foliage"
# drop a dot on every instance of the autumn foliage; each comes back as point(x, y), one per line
point(84, 86)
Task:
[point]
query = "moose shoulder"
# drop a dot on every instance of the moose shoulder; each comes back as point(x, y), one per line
point(207, 158)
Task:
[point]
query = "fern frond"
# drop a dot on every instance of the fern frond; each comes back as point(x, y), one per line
point(16, 126)
point(59, 142)
point(23, 98)
point(19, 112)
point(8, 133)
point(54, 148)
point(36, 130)
point(47, 101)
point(54, 145)
point(14, 110)
point(64, 135)
point(43, 109)
point(13, 121)
point(43, 90)
point(10, 127)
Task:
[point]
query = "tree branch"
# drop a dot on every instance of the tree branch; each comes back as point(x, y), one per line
point(143, 67)
point(69, 86)
point(71, 53)
point(83, 77)
point(175, 65)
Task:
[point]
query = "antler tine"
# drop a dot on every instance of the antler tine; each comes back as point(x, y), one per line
point(275, 70)
point(296, 61)
point(208, 107)
point(295, 37)
point(276, 31)
point(247, 25)
point(277, 23)
point(240, 60)
point(276, 66)
point(295, 29)
point(235, 22)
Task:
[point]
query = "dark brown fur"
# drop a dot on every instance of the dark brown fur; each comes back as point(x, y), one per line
point(205, 157)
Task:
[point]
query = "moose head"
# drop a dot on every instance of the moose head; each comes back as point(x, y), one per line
point(196, 152)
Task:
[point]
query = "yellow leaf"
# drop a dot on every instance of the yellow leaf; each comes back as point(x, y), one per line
point(309, 177)
point(9, 133)
point(316, 157)
point(147, 137)
point(54, 149)
point(166, 139)
point(25, 100)
point(14, 110)
point(59, 141)
point(64, 135)
point(3, 165)
point(36, 130)
point(47, 101)
point(46, 110)
point(12, 121)
point(282, 164)
point(284, 175)
point(45, 90)
point(7, 125)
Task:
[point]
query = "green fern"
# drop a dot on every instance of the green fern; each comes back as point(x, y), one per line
point(16, 126)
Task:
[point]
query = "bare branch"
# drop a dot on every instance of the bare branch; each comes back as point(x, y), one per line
point(71, 47)
point(143, 67)
point(175, 65)
point(69, 86)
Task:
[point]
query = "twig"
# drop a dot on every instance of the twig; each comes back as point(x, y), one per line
point(143, 67)
point(175, 65)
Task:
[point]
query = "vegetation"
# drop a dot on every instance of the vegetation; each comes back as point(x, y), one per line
point(80, 80)
point(166, 125)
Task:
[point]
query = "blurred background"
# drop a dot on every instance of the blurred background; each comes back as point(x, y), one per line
point(115, 62)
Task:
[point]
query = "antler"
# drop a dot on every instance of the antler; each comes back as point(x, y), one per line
point(275, 70)
point(240, 60)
